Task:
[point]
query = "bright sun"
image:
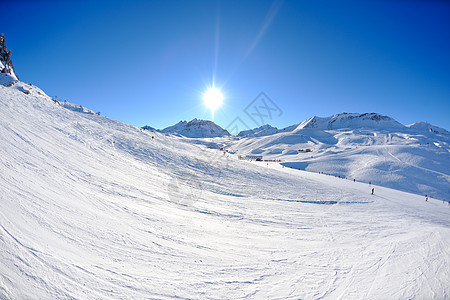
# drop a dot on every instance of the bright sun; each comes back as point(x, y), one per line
point(213, 98)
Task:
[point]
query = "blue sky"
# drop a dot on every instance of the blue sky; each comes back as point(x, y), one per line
point(148, 62)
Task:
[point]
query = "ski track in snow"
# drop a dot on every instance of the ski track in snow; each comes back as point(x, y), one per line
point(94, 208)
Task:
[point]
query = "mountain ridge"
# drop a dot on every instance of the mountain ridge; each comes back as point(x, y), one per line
point(349, 120)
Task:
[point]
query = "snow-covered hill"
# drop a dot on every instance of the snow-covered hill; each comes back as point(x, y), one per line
point(426, 128)
point(365, 147)
point(94, 208)
point(197, 129)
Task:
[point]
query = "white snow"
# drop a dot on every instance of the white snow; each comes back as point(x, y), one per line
point(94, 208)
point(6, 79)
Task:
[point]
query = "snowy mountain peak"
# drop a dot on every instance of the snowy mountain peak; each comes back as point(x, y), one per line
point(6, 66)
point(260, 131)
point(350, 120)
point(197, 129)
point(198, 122)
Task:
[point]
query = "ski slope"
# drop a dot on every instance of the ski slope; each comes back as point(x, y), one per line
point(94, 208)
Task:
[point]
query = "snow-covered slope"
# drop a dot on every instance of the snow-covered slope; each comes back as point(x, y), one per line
point(94, 208)
point(74, 107)
point(197, 129)
point(365, 147)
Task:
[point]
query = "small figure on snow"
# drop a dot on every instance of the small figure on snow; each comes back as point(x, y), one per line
point(373, 190)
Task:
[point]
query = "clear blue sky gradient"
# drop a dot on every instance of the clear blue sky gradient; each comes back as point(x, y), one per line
point(148, 62)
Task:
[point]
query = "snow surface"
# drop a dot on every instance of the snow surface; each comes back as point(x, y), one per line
point(95, 208)
point(5, 78)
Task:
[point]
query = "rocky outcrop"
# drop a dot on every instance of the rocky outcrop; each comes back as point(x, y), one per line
point(6, 65)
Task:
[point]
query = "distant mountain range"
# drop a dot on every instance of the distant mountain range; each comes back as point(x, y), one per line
point(367, 147)
point(370, 121)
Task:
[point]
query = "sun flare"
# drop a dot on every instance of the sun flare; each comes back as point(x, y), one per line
point(213, 99)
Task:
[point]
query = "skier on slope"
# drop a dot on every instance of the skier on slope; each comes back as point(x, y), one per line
point(373, 189)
